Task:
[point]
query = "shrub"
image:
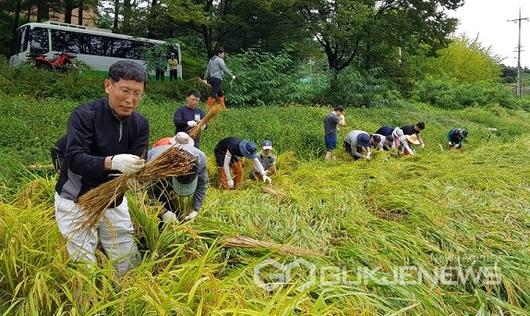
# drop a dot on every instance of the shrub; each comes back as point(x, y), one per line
point(450, 94)
point(81, 86)
point(354, 89)
point(265, 78)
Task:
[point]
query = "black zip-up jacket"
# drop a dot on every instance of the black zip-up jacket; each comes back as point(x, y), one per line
point(94, 132)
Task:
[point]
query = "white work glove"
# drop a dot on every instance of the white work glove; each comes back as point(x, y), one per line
point(127, 163)
point(230, 183)
point(192, 123)
point(169, 217)
point(191, 216)
point(267, 179)
point(422, 145)
point(233, 77)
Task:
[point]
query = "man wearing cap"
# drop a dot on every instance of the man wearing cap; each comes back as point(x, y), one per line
point(334, 118)
point(169, 191)
point(173, 64)
point(189, 115)
point(456, 136)
point(267, 159)
point(414, 130)
point(227, 156)
point(357, 143)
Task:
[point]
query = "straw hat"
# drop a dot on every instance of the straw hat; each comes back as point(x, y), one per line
point(413, 139)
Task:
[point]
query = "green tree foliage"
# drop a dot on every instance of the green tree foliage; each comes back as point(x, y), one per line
point(266, 79)
point(238, 24)
point(466, 61)
point(370, 32)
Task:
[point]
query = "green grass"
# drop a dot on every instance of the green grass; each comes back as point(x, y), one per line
point(439, 208)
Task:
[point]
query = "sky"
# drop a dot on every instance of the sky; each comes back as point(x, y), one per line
point(489, 20)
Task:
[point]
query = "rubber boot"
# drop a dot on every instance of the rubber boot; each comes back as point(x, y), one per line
point(221, 101)
point(210, 102)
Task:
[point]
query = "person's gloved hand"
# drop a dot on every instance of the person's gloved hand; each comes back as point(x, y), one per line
point(192, 123)
point(127, 163)
point(422, 145)
point(169, 217)
point(233, 77)
point(230, 184)
point(191, 215)
point(267, 179)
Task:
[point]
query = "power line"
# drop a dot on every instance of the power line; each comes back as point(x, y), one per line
point(519, 80)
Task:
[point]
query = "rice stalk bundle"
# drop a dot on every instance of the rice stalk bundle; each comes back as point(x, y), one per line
point(212, 113)
point(172, 162)
point(200, 81)
point(247, 242)
point(277, 194)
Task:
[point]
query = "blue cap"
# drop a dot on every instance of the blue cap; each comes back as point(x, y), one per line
point(248, 149)
point(267, 144)
point(363, 140)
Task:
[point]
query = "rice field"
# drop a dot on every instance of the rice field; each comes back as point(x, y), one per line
point(440, 233)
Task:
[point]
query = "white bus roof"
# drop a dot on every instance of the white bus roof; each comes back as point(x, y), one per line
point(88, 30)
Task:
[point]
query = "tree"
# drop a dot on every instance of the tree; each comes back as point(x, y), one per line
point(467, 61)
point(360, 30)
point(68, 7)
point(234, 24)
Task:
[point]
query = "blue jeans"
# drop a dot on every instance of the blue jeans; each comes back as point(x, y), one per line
point(331, 142)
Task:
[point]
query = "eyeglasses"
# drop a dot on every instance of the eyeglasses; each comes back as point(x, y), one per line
point(125, 92)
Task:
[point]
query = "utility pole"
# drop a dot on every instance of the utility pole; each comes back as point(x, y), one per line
point(311, 63)
point(519, 79)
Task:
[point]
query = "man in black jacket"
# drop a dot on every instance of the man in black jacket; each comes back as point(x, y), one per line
point(104, 138)
point(188, 116)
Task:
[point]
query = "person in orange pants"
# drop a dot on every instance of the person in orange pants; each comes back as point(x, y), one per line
point(227, 156)
point(214, 74)
point(237, 172)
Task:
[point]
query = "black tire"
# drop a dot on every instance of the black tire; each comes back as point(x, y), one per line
point(43, 66)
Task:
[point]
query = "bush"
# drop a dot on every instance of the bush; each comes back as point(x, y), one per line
point(173, 90)
point(264, 78)
point(81, 86)
point(354, 89)
point(450, 94)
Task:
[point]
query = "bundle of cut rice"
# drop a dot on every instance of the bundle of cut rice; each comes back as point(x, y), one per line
point(172, 162)
point(212, 113)
point(247, 242)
